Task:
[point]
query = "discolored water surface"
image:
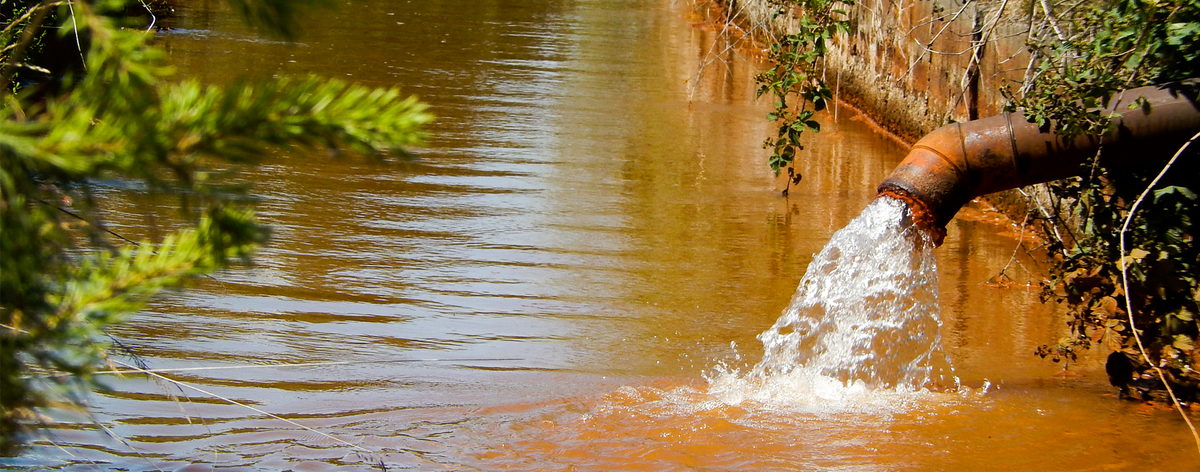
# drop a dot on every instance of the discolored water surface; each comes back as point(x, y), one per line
point(551, 282)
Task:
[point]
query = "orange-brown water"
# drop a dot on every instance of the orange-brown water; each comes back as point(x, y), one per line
point(550, 283)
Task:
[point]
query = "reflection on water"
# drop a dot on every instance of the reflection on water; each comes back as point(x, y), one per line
point(544, 286)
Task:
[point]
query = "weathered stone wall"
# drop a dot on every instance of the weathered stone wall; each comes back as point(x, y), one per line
point(915, 65)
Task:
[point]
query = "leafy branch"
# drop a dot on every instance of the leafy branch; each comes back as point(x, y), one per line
point(793, 80)
point(63, 279)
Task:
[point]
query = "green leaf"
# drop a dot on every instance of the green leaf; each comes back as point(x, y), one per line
point(1179, 34)
point(1172, 190)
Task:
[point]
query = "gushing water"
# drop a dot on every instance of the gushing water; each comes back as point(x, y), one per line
point(864, 319)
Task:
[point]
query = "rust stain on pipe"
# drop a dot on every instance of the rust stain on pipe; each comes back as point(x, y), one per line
point(960, 161)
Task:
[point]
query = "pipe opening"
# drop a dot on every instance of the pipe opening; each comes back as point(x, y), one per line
point(918, 213)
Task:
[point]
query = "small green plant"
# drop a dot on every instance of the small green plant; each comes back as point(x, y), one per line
point(794, 80)
point(64, 278)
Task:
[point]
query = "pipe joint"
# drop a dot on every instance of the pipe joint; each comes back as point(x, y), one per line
point(960, 161)
point(934, 174)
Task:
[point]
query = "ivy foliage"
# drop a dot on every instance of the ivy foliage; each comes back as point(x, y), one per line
point(795, 80)
point(1084, 56)
point(64, 277)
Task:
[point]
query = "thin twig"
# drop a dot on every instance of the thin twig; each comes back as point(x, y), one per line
point(1020, 243)
point(153, 19)
point(145, 370)
point(302, 364)
point(114, 435)
point(725, 35)
point(48, 435)
point(1125, 287)
point(251, 408)
point(75, 29)
point(1047, 215)
point(940, 53)
point(98, 225)
point(1053, 22)
point(19, 330)
point(107, 430)
point(925, 49)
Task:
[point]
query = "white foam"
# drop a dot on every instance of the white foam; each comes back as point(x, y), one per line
point(861, 332)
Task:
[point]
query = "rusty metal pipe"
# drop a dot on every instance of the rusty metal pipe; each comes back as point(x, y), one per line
point(960, 161)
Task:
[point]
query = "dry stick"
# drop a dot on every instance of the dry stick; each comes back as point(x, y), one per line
point(1047, 215)
point(248, 407)
point(141, 363)
point(75, 28)
point(704, 64)
point(114, 435)
point(49, 437)
point(65, 451)
point(940, 53)
point(925, 49)
point(1053, 22)
point(1125, 287)
point(1020, 243)
point(89, 222)
point(13, 328)
point(153, 19)
point(1030, 74)
point(730, 24)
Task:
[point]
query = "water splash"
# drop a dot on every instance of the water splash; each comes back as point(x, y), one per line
point(862, 327)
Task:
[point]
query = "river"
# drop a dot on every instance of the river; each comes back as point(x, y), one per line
point(589, 234)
